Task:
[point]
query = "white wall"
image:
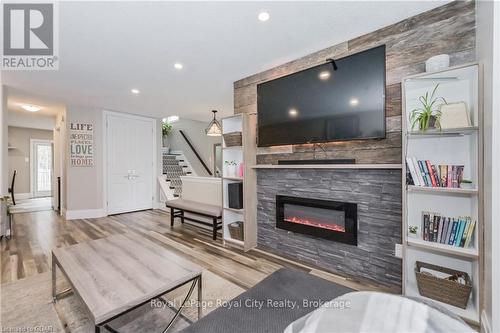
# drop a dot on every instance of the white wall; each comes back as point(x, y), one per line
point(488, 48)
point(195, 131)
point(4, 168)
point(31, 120)
point(84, 184)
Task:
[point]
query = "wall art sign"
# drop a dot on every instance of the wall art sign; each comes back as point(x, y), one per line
point(81, 144)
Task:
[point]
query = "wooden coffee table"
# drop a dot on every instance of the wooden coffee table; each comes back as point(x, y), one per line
point(118, 274)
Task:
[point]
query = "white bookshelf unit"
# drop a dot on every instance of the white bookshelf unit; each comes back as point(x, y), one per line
point(246, 155)
point(455, 146)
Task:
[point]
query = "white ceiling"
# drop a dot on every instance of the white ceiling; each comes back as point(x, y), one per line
point(107, 48)
point(48, 107)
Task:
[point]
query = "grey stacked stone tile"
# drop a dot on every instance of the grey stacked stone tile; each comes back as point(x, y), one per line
point(378, 195)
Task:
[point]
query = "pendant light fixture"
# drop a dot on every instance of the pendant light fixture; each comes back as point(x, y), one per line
point(214, 128)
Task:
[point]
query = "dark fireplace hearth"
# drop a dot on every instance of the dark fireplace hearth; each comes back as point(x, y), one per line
point(320, 218)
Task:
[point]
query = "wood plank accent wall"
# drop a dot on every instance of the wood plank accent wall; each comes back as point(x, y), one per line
point(447, 29)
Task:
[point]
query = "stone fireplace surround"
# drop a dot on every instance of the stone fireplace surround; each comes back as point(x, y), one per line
point(378, 195)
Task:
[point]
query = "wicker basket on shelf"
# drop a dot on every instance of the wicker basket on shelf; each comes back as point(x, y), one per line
point(236, 230)
point(443, 290)
point(232, 139)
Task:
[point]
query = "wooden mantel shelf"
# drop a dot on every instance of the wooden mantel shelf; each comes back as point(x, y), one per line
point(327, 166)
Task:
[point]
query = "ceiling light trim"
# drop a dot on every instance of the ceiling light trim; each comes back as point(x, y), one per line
point(31, 107)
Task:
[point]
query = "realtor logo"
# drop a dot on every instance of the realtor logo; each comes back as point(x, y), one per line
point(29, 36)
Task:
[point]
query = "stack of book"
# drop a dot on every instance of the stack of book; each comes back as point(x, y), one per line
point(423, 173)
point(447, 230)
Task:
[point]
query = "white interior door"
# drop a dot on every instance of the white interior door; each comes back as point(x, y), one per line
point(129, 164)
point(41, 168)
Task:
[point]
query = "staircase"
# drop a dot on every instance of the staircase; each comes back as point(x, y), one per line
point(175, 165)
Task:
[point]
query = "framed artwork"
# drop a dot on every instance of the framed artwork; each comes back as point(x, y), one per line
point(454, 115)
point(81, 144)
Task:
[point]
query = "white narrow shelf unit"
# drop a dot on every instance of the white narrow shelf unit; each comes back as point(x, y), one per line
point(450, 146)
point(246, 154)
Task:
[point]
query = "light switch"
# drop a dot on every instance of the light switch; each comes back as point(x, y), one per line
point(398, 251)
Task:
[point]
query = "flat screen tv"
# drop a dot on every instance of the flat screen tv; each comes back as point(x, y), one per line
point(321, 104)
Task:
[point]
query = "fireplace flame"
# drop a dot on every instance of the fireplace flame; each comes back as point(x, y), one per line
point(303, 221)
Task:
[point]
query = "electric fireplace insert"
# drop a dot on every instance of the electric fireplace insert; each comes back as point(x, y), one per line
point(327, 219)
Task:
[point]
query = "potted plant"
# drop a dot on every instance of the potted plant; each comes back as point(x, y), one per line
point(412, 230)
point(465, 183)
point(5, 230)
point(428, 115)
point(166, 129)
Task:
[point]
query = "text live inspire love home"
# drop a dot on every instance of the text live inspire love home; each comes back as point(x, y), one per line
point(81, 144)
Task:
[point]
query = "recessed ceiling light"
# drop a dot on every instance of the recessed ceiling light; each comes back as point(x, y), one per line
point(30, 108)
point(293, 112)
point(263, 16)
point(324, 75)
point(178, 65)
point(354, 101)
point(135, 91)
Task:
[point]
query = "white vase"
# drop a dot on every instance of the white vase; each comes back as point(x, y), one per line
point(437, 63)
point(231, 170)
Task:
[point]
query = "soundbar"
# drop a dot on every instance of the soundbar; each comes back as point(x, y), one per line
point(328, 161)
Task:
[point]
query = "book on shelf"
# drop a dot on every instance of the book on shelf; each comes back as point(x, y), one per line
point(456, 232)
point(425, 174)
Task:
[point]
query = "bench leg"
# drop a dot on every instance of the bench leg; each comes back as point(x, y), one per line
point(54, 267)
point(214, 230)
point(171, 217)
point(182, 217)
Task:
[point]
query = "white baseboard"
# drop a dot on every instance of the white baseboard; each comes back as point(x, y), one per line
point(161, 206)
point(84, 214)
point(22, 196)
point(485, 323)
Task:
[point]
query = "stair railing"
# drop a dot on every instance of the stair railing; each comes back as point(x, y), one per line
point(195, 152)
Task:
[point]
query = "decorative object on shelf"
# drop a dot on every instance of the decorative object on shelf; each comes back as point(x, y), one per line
point(214, 128)
point(241, 170)
point(232, 139)
point(465, 183)
point(236, 230)
point(166, 129)
point(443, 284)
point(412, 231)
point(424, 173)
point(454, 115)
point(5, 217)
point(451, 231)
point(231, 169)
point(235, 195)
point(428, 115)
point(437, 63)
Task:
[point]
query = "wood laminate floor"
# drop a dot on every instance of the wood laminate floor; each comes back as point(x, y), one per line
point(27, 253)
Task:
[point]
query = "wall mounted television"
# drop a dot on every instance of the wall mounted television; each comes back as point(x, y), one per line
point(321, 104)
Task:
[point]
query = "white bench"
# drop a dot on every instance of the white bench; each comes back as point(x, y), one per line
point(201, 196)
